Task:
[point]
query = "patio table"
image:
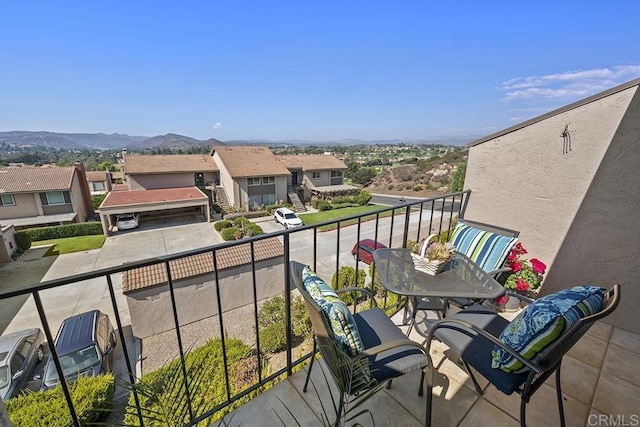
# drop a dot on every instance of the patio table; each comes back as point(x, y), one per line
point(461, 278)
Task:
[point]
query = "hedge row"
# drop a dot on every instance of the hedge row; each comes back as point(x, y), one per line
point(92, 398)
point(23, 240)
point(62, 231)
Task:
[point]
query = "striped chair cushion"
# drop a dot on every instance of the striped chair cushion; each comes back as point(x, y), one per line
point(340, 319)
point(488, 250)
point(543, 321)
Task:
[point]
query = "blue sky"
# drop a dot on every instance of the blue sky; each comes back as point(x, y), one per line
point(306, 70)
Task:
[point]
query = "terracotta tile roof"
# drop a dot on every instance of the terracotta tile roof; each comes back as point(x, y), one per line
point(96, 176)
point(311, 162)
point(137, 197)
point(246, 161)
point(170, 163)
point(28, 180)
point(197, 265)
point(120, 187)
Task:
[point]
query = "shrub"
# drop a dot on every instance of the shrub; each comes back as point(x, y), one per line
point(346, 278)
point(273, 338)
point(323, 205)
point(96, 201)
point(165, 405)
point(252, 229)
point(273, 312)
point(457, 182)
point(364, 198)
point(222, 224)
point(271, 208)
point(92, 398)
point(248, 215)
point(390, 187)
point(343, 205)
point(417, 188)
point(62, 231)
point(241, 221)
point(231, 233)
point(23, 240)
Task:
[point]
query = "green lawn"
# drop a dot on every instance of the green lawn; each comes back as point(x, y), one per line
point(71, 244)
point(315, 218)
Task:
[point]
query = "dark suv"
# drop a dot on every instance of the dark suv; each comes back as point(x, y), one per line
point(85, 344)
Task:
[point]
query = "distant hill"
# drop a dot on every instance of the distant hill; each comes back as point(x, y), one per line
point(101, 141)
point(170, 140)
point(69, 141)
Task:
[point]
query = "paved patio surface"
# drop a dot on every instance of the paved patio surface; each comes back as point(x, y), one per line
point(600, 380)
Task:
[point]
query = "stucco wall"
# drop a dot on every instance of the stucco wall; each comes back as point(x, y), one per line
point(226, 181)
point(166, 180)
point(25, 206)
point(325, 178)
point(8, 244)
point(575, 208)
point(77, 197)
point(196, 298)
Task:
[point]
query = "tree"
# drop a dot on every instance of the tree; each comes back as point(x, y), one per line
point(107, 166)
point(457, 183)
point(364, 175)
point(352, 168)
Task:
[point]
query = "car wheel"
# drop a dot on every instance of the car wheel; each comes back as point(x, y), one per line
point(40, 354)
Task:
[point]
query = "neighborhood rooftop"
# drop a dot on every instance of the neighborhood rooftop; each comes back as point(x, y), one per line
point(310, 162)
point(248, 161)
point(96, 176)
point(197, 265)
point(137, 197)
point(169, 163)
point(28, 179)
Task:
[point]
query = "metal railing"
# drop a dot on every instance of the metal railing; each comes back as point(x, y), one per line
point(407, 221)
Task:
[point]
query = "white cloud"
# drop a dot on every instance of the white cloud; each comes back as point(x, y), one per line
point(217, 126)
point(570, 85)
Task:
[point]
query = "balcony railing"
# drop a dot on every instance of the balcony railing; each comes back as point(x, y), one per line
point(392, 226)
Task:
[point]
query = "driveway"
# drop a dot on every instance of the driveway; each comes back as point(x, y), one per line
point(65, 301)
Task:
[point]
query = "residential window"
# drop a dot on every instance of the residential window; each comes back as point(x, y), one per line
point(98, 186)
point(255, 201)
point(266, 180)
point(315, 175)
point(55, 198)
point(253, 181)
point(7, 200)
point(336, 174)
point(269, 199)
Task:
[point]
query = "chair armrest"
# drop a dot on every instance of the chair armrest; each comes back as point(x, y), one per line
point(388, 346)
point(365, 291)
point(498, 271)
point(481, 333)
point(520, 296)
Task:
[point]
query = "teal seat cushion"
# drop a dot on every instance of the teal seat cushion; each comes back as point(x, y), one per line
point(542, 322)
point(488, 250)
point(336, 312)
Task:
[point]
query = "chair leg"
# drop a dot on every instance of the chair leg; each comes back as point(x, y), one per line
point(421, 388)
point(559, 395)
point(388, 386)
point(429, 403)
point(523, 412)
point(473, 378)
point(313, 357)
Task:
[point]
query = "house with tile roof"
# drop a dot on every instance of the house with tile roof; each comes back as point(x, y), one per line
point(32, 197)
point(99, 182)
point(251, 175)
point(148, 172)
point(194, 285)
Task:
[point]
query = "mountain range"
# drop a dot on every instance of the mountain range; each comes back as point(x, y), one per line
point(101, 141)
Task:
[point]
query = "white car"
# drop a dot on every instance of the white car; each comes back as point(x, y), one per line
point(127, 222)
point(287, 217)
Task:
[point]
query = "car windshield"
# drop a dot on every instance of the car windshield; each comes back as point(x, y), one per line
point(73, 363)
point(4, 376)
point(290, 216)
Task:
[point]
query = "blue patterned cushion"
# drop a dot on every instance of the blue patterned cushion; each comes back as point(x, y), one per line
point(336, 311)
point(488, 250)
point(543, 321)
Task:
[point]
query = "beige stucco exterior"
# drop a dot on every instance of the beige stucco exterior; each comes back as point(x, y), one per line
point(8, 244)
point(574, 203)
point(196, 297)
point(166, 180)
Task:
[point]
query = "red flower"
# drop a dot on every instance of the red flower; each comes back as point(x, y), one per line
point(502, 300)
point(519, 249)
point(516, 266)
point(538, 266)
point(512, 256)
point(521, 285)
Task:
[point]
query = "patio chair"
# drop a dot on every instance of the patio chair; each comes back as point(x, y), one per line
point(384, 353)
point(485, 244)
point(519, 356)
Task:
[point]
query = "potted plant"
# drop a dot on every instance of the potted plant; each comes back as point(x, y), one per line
point(525, 277)
point(434, 255)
